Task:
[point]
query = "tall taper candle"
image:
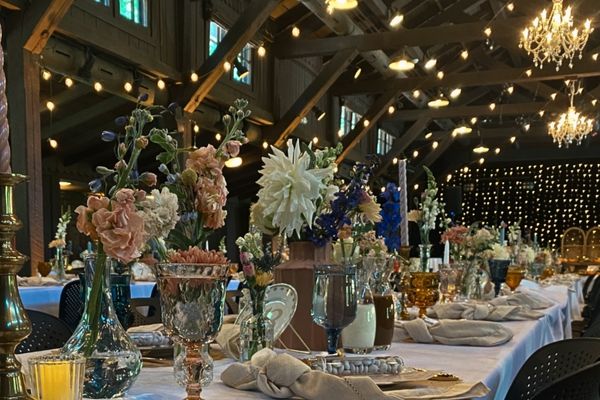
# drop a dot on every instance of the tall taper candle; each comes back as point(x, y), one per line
point(4, 143)
point(404, 239)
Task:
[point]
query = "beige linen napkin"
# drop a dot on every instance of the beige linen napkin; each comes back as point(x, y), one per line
point(37, 281)
point(478, 311)
point(453, 332)
point(530, 299)
point(283, 376)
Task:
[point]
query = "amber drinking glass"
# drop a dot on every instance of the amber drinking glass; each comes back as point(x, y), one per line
point(513, 278)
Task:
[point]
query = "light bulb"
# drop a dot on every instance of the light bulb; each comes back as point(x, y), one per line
point(431, 63)
point(415, 153)
point(128, 87)
point(464, 54)
point(46, 75)
point(68, 82)
point(366, 123)
point(265, 145)
point(395, 160)
point(227, 66)
point(510, 89)
point(50, 105)
point(416, 94)
point(528, 72)
point(455, 93)
point(218, 137)
point(396, 19)
point(98, 87)
point(435, 145)
point(196, 128)
point(261, 51)
point(440, 75)
point(194, 77)
point(497, 151)
point(473, 120)
point(315, 140)
point(391, 109)
point(513, 139)
point(492, 106)
point(488, 31)
point(416, 186)
point(340, 133)
point(53, 143)
point(428, 135)
point(161, 84)
point(510, 7)
point(295, 31)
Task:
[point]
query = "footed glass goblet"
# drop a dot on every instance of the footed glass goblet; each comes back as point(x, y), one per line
point(192, 298)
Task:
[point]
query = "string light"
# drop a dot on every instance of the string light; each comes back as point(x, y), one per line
point(50, 106)
point(161, 84)
point(434, 145)
point(315, 140)
point(464, 54)
point(227, 66)
point(553, 96)
point(395, 160)
point(340, 133)
point(391, 109)
point(455, 93)
point(492, 106)
point(196, 128)
point(481, 160)
point(541, 113)
point(69, 82)
point(429, 135)
point(440, 75)
point(366, 123)
point(487, 31)
point(513, 139)
point(265, 145)
point(595, 56)
point(295, 31)
point(194, 77)
point(416, 94)
point(98, 87)
point(46, 75)
point(218, 137)
point(396, 19)
point(528, 72)
point(415, 153)
point(594, 102)
point(473, 120)
point(510, 7)
point(497, 151)
point(416, 186)
point(510, 89)
point(430, 64)
point(128, 87)
point(53, 143)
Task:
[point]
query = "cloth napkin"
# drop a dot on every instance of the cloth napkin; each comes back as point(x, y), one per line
point(453, 332)
point(480, 311)
point(228, 338)
point(529, 298)
point(283, 376)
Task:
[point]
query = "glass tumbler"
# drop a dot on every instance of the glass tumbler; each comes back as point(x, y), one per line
point(57, 377)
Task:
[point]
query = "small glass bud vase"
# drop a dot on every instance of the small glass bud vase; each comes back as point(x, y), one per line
point(359, 336)
point(256, 332)
point(424, 256)
point(59, 265)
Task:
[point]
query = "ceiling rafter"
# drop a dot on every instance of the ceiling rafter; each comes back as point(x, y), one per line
point(429, 159)
point(47, 23)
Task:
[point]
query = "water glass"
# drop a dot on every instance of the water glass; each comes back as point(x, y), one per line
point(57, 377)
point(334, 300)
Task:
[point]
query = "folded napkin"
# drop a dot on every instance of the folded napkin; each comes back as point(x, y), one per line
point(283, 376)
point(453, 332)
point(229, 339)
point(37, 281)
point(529, 298)
point(479, 311)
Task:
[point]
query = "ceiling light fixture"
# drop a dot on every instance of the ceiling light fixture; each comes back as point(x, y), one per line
point(440, 102)
point(462, 129)
point(481, 149)
point(571, 126)
point(128, 87)
point(341, 4)
point(295, 31)
point(396, 19)
point(455, 93)
point(464, 54)
point(431, 63)
point(551, 38)
point(401, 64)
point(261, 51)
point(69, 82)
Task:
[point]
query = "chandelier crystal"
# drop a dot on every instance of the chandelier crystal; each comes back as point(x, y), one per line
point(570, 127)
point(552, 38)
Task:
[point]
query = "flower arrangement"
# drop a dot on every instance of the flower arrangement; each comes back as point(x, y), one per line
point(480, 242)
point(199, 185)
point(117, 221)
point(499, 252)
point(370, 245)
point(389, 226)
point(294, 187)
point(60, 236)
point(526, 255)
point(429, 208)
point(352, 212)
point(457, 237)
point(257, 261)
point(514, 233)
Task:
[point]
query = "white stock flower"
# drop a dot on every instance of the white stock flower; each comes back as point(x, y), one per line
point(500, 252)
point(159, 211)
point(290, 189)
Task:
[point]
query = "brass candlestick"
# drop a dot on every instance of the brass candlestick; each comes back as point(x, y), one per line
point(14, 323)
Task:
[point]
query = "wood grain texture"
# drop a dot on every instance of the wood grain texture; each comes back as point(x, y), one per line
point(46, 25)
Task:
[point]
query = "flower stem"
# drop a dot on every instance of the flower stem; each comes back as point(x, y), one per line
point(95, 302)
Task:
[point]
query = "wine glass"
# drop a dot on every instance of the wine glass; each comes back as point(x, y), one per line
point(513, 278)
point(192, 298)
point(334, 300)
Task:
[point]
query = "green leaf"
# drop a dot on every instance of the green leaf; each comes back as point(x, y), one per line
point(166, 157)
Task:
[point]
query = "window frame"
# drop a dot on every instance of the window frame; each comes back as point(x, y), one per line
point(148, 6)
point(347, 124)
point(384, 142)
point(111, 11)
point(247, 81)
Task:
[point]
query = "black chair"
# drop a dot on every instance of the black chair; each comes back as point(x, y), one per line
point(48, 332)
point(593, 330)
point(152, 316)
point(583, 384)
point(588, 285)
point(592, 302)
point(70, 307)
point(551, 363)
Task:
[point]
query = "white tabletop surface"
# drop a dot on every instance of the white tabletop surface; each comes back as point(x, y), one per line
point(495, 366)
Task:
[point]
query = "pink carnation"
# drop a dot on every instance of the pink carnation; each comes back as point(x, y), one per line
point(211, 196)
point(232, 148)
point(455, 235)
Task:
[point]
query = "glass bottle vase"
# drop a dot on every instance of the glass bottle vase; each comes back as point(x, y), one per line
point(113, 362)
point(256, 332)
point(359, 336)
point(59, 265)
point(424, 256)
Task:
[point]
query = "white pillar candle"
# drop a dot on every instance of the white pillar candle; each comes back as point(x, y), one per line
point(446, 260)
point(404, 239)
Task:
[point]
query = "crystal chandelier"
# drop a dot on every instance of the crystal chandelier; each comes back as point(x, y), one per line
point(570, 126)
point(552, 38)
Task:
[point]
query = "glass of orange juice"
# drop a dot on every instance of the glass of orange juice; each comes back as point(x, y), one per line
point(57, 377)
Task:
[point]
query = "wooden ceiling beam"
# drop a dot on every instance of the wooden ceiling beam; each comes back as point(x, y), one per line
point(46, 24)
point(279, 132)
point(401, 143)
point(367, 122)
point(242, 31)
point(480, 110)
point(418, 37)
point(467, 79)
point(13, 5)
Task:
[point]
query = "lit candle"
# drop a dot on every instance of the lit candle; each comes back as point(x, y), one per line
point(4, 143)
point(446, 260)
point(404, 239)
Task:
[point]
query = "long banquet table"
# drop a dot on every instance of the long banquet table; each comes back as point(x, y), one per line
point(495, 366)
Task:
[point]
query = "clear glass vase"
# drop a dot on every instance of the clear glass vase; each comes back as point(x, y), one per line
point(113, 362)
point(424, 256)
point(59, 265)
point(384, 300)
point(359, 336)
point(475, 281)
point(256, 332)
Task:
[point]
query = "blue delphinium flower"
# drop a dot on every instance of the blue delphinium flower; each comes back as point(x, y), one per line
point(389, 226)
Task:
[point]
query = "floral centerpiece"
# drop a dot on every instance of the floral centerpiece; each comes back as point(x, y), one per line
point(429, 208)
point(59, 243)
point(117, 222)
point(258, 261)
point(199, 186)
point(457, 237)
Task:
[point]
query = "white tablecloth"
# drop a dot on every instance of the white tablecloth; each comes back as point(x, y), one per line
point(47, 298)
point(495, 366)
